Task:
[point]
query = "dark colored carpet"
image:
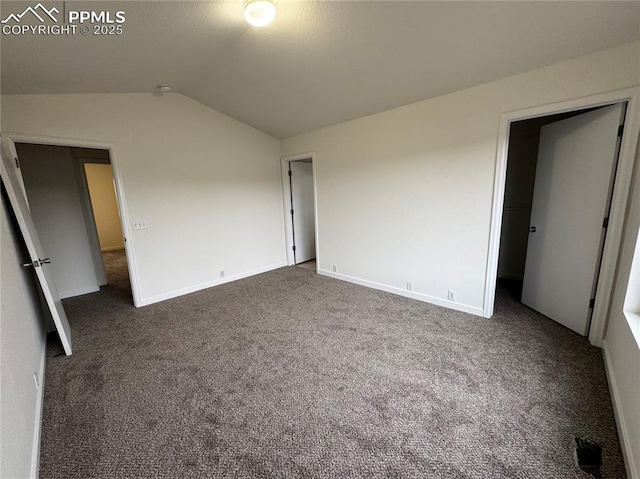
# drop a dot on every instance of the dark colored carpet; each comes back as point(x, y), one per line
point(290, 374)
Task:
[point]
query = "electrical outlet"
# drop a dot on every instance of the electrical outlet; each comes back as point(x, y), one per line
point(222, 273)
point(409, 286)
point(451, 295)
point(335, 268)
point(35, 378)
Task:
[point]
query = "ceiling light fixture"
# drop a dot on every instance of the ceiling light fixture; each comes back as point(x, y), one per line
point(259, 12)
point(164, 88)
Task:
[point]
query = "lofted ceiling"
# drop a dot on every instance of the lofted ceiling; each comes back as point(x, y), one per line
point(320, 62)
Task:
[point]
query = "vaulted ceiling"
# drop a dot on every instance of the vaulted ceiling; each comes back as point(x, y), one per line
point(320, 62)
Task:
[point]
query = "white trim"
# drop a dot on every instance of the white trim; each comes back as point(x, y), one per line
point(37, 428)
point(401, 292)
point(286, 197)
point(112, 248)
point(209, 284)
point(78, 292)
point(122, 205)
point(618, 204)
point(623, 432)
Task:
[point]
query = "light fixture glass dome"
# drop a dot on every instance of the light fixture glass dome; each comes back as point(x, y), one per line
point(259, 12)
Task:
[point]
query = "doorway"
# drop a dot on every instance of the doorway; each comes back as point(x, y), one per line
point(72, 199)
point(559, 185)
point(620, 199)
point(103, 209)
point(300, 212)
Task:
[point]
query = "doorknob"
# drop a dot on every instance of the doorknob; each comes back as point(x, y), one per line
point(532, 229)
point(37, 263)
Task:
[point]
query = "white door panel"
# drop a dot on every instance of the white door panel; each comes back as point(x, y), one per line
point(576, 161)
point(11, 179)
point(303, 210)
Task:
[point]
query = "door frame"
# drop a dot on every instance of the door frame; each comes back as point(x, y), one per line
point(286, 202)
point(124, 217)
point(89, 216)
point(622, 185)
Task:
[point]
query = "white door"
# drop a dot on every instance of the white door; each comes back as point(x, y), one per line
point(574, 177)
point(11, 180)
point(303, 215)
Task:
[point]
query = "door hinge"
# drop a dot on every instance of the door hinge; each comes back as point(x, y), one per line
point(592, 303)
point(294, 248)
point(289, 172)
point(605, 223)
point(620, 130)
point(292, 212)
point(17, 163)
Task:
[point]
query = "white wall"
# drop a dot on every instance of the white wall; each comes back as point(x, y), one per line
point(22, 347)
point(208, 186)
point(104, 205)
point(55, 202)
point(406, 195)
point(622, 350)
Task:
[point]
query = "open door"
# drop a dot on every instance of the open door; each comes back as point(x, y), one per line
point(302, 212)
point(575, 172)
point(10, 173)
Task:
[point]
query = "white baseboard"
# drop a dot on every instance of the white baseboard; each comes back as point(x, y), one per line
point(112, 248)
point(401, 292)
point(37, 428)
point(623, 433)
point(209, 284)
point(79, 291)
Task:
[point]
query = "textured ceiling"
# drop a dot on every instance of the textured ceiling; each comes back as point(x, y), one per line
point(319, 63)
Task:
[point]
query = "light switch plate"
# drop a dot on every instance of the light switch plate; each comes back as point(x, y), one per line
point(139, 224)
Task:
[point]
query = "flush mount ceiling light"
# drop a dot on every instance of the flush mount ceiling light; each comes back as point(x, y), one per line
point(259, 12)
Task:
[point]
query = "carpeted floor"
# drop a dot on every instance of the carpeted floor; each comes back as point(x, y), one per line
point(290, 374)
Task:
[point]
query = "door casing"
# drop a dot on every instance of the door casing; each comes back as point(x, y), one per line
point(111, 147)
point(618, 205)
point(286, 201)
